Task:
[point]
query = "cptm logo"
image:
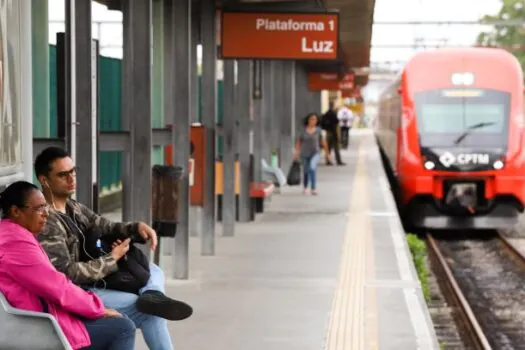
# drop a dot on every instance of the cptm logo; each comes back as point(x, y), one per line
point(447, 159)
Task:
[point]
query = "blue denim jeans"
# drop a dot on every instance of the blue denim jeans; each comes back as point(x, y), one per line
point(154, 329)
point(310, 170)
point(111, 333)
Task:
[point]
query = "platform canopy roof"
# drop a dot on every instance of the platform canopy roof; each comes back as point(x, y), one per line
point(356, 19)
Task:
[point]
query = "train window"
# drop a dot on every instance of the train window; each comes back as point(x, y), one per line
point(436, 118)
point(10, 74)
point(443, 117)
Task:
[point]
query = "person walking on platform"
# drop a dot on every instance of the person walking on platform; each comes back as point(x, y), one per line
point(329, 123)
point(72, 228)
point(308, 149)
point(346, 119)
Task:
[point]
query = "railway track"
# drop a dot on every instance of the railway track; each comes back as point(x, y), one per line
point(483, 282)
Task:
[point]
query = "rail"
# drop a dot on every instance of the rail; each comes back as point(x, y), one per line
point(467, 321)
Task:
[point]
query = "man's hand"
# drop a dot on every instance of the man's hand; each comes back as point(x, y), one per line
point(148, 234)
point(120, 248)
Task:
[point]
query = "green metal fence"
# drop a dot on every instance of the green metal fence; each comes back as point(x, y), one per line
point(109, 108)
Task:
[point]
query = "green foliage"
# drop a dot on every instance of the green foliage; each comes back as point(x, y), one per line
point(511, 38)
point(419, 253)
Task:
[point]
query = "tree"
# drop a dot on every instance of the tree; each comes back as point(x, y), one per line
point(511, 38)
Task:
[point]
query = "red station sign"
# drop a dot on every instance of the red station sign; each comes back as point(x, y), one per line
point(329, 81)
point(308, 36)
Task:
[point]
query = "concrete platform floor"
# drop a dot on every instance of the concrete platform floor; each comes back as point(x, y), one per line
point(293, 279)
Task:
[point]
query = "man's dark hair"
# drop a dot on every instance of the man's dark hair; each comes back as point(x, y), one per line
point(44, 160)
point(15, 195)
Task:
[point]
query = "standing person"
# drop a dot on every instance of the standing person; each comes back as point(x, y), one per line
point(71, 227)
point(308, 149)
point(346, 119)
point(30, 282)
point(330, 123)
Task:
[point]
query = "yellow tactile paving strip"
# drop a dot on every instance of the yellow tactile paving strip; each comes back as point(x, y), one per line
point(346, 329)
point(371, 312)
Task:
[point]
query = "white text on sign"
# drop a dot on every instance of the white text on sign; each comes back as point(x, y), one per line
point(292, 25)
point(321, 46)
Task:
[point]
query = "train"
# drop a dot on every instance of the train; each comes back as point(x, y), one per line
point(451, 131)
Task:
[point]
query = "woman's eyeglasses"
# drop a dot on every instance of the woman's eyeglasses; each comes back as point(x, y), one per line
point(40, 209)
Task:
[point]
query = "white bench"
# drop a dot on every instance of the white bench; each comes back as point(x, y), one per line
point(23, 330)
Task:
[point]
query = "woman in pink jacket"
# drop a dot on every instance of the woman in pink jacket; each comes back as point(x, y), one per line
point(30, 282)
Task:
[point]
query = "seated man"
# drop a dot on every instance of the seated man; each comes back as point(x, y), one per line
point(64, 240)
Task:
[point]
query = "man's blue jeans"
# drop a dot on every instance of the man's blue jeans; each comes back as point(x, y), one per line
point(154, 329)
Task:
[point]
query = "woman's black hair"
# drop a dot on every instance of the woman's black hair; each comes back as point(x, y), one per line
point(308, 116)
point(15, 195)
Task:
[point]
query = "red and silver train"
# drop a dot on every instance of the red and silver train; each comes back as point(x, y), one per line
point(451, 129)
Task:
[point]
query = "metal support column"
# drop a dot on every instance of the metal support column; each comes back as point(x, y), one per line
point(81, 72)
point(257, 119)
point(65, 110)
point(26, 87)
point(277, 103)
point(195, 40)
point(302, 98)
point(136, 100)
point(268, 110)
point(195, 211)
point(230, 149)
point(168, 104)
point(286, 136)
point(180, 40)
point(293, 105)
point(165, 245)
point(243, 104)
point(209, 116)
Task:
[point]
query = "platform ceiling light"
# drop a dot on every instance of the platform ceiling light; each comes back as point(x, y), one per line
point(463, 79)
point(429, 165)
point(498, 165)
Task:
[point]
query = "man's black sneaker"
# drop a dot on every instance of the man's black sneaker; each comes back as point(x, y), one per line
point(155, 303)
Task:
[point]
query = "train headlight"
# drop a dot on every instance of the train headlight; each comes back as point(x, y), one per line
point(429, 165)
point(498, 165)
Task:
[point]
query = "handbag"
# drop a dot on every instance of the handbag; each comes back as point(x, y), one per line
point(294, 174)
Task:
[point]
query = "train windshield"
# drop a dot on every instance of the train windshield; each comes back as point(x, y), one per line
point(462, 117)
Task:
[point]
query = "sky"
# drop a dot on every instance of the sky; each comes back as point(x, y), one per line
point(425, 10)
point(109, 34)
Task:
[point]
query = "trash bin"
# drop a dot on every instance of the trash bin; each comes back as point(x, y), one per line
point(165, 199)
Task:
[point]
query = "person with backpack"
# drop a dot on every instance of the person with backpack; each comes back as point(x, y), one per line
point(68, 238)
point(330, 123)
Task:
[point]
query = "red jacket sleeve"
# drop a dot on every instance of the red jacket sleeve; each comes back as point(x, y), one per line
point(30, 267)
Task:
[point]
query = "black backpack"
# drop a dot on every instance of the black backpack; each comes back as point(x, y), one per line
point(133, 272)
point(133, 268)
point(325, 122)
